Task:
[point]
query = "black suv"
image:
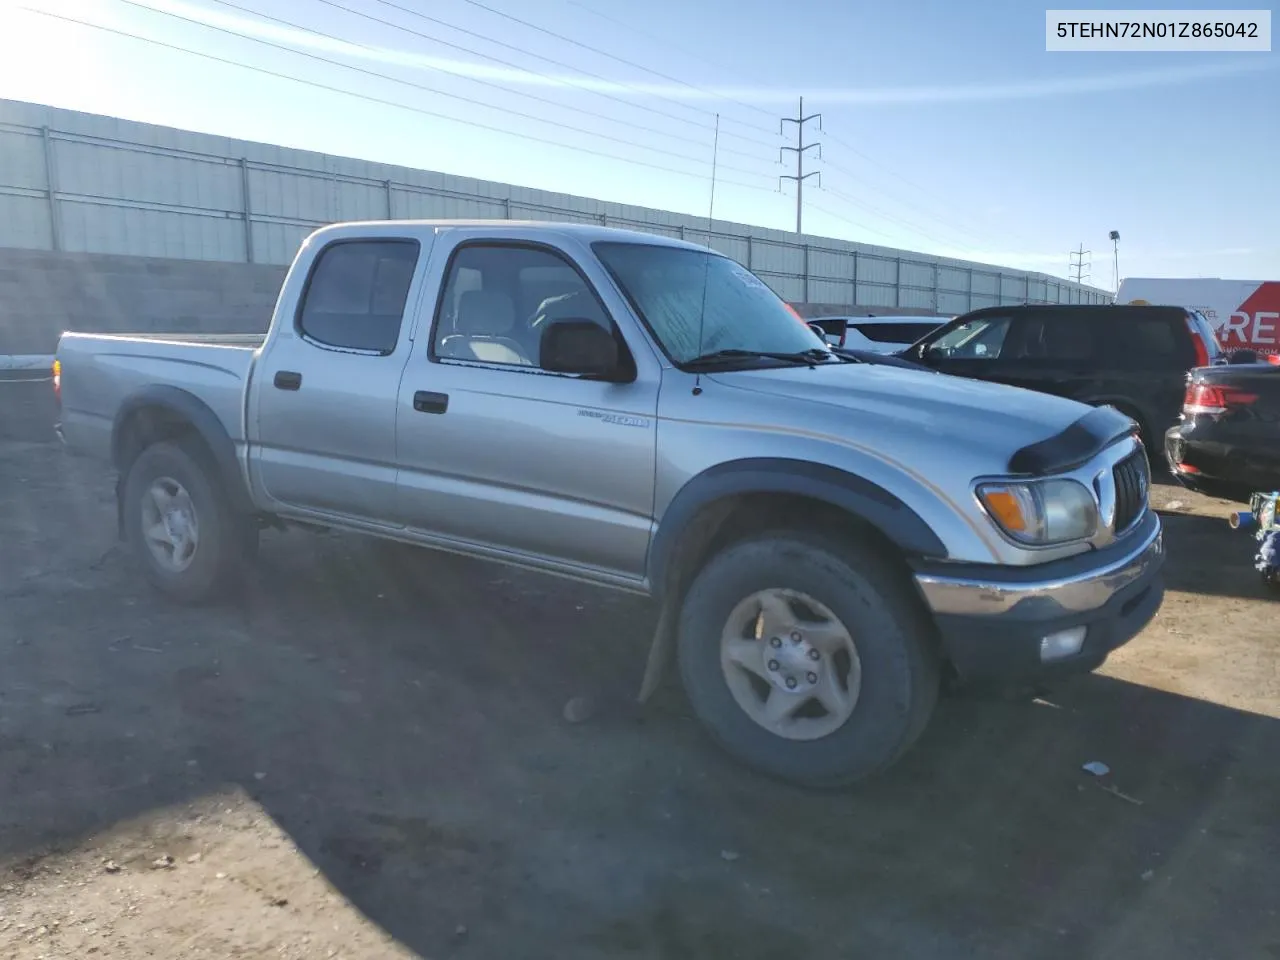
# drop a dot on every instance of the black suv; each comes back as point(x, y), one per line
point(1134, 358)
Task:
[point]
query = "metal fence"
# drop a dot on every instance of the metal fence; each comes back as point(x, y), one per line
point(88, 183)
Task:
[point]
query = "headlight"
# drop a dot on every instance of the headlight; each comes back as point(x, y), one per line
point(1041, 512)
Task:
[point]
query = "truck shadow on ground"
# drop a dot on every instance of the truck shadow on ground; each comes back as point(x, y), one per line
point(407, 711)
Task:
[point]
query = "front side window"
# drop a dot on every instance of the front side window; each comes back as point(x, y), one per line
point(979, 339)
point(499, 299)
point(695, 303)
point(355, 297)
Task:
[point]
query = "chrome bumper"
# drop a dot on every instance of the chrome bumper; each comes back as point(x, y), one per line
point(1077, 593)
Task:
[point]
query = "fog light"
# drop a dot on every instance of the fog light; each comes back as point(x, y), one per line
point(1064, 643)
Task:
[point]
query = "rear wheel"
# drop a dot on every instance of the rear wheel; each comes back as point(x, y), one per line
point(807, 659)
point(181, 526)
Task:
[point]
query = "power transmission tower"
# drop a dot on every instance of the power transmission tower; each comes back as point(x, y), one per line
point(799, 150)
point(1078, 264)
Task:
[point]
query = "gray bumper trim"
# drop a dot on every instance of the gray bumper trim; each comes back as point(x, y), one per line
point(1074, 594)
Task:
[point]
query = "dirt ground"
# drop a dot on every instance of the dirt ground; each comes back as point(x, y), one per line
point(367, 758)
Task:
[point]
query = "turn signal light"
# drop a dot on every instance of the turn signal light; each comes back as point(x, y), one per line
point(57, 380)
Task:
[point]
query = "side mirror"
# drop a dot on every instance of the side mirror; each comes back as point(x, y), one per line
point(1243, 356)
point(830, 329)
point(582, 347)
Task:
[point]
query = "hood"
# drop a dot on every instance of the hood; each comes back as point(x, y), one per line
point(992, 415)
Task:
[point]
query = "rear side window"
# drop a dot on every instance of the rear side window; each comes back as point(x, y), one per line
point(904, 333)
point(355, 296)
point(1158, 342)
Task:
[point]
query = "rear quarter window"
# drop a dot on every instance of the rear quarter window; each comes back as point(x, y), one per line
point(905, 333)
point(355, 296)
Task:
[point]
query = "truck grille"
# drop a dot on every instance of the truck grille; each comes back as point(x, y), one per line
point(1133, 482)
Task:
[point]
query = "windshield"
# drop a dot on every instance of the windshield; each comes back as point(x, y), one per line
point(697, 302)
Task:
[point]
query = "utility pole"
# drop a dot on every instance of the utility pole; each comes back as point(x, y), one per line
point(1114, 237)
point(799, 150)
point(1079, 266)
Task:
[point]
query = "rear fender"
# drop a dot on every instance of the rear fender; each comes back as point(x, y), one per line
point(176, 407)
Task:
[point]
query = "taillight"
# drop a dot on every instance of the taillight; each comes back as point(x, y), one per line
point(1214, 399)
point(57, 380)
point(1274, 359)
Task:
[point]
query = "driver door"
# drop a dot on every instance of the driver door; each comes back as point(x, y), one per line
point(497, 453)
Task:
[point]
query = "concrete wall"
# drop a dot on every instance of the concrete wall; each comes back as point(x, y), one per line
point(42, 294)
point(86, 183)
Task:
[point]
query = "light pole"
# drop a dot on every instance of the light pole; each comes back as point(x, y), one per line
point(1115, 262)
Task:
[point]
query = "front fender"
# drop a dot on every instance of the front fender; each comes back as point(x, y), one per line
point(859, 497)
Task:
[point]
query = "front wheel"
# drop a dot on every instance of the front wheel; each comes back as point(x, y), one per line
point(180, 524)
point(807, 659)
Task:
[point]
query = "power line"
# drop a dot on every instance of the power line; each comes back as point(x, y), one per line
point(915, 228)
point(667, 42)
point(611, 56)
point(487, 83)
point(898, 176)
point(844, 219)
point(702, 124)
point(368, 98)
point(429, 89)
point(966, 235)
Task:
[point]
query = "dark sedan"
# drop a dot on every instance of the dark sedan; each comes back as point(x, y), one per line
point(1227, 443)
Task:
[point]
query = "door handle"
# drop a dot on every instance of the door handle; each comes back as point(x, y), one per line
point(424, 401)
point(287, 380)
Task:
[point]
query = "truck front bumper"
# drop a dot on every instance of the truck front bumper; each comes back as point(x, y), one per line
point(1025, 623)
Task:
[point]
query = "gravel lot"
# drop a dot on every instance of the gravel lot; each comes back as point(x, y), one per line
point(367, 757)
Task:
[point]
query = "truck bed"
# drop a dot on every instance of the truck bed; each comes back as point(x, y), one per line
point(98, 371)
point(250, 340)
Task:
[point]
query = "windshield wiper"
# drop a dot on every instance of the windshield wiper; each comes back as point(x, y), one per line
point(725, 357)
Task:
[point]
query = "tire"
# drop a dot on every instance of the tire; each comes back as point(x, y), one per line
point(900, 671)
point(223, 538)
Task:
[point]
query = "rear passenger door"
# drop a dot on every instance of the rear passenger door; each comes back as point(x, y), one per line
point(323, 405)
point(1054, 351)
point(505, 458)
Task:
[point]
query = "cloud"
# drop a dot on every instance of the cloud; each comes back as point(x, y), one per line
point(866, 96)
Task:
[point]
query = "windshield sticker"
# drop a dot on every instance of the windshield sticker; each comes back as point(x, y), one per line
point(746, 276)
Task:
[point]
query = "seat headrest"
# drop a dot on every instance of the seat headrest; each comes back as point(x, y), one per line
point(485, 313)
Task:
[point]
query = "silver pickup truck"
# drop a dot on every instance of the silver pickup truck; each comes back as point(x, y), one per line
point(827, 536)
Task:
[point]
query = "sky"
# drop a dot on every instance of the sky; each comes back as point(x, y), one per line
point(945, 127)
